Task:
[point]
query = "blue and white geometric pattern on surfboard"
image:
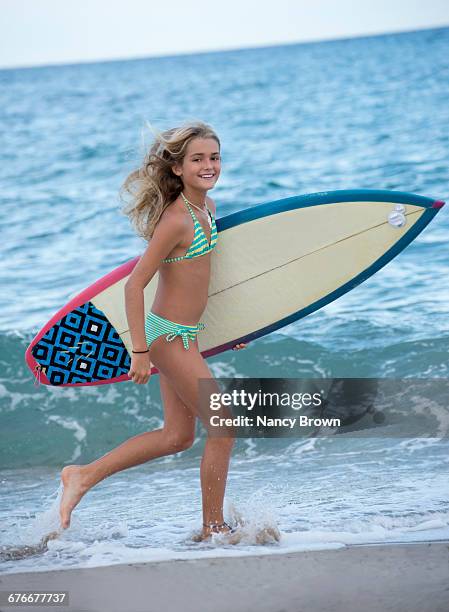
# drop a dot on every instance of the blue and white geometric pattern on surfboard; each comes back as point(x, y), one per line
point(82, 347)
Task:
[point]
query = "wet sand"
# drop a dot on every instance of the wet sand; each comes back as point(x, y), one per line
point(370, 578)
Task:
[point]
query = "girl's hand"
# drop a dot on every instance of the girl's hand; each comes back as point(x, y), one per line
point(237, 347)
point(140, 370)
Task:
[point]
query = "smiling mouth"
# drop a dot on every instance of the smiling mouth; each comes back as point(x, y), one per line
point(207, 176)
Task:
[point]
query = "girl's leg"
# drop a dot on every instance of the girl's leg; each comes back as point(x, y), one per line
point(177, 434)
point(183, 368)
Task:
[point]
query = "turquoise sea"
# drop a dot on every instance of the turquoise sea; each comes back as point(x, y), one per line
point(358, 113)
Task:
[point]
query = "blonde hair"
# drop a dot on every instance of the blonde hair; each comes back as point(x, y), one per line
point(154, 185)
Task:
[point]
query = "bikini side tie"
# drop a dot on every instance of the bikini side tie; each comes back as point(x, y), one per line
point(184, 335)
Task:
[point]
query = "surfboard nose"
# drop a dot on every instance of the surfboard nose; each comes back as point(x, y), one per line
point(438, 204)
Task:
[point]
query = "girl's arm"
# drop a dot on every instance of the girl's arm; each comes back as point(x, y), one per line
point(167, 235)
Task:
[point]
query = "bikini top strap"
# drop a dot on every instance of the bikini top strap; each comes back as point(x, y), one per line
point(193, 213)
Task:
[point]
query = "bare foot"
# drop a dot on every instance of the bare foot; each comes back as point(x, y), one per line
point(74, 483)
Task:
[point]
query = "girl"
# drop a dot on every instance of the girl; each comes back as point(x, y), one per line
point(170, 208)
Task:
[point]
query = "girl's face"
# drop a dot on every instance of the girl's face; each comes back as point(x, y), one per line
point(201, 165)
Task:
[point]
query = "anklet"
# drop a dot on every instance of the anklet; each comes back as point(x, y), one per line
point(215, 525)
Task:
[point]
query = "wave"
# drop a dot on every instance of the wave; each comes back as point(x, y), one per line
point(44, 425)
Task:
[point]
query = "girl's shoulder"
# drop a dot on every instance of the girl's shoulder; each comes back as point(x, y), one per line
point(175, 212)
point(176, 208)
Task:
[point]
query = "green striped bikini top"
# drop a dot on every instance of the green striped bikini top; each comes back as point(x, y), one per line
point(200, 245)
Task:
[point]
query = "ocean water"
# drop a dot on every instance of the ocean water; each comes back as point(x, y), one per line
point(360, 113)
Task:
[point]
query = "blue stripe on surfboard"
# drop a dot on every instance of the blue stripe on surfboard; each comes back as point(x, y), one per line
point(322, 197)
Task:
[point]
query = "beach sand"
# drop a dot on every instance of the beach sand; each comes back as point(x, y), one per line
point(390, 577)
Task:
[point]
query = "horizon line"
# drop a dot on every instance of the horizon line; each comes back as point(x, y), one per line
point(221, 50)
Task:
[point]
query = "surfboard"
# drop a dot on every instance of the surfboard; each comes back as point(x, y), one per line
point(273, 264)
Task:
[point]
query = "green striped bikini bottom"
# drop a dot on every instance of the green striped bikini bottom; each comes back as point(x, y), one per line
point(156, 326)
